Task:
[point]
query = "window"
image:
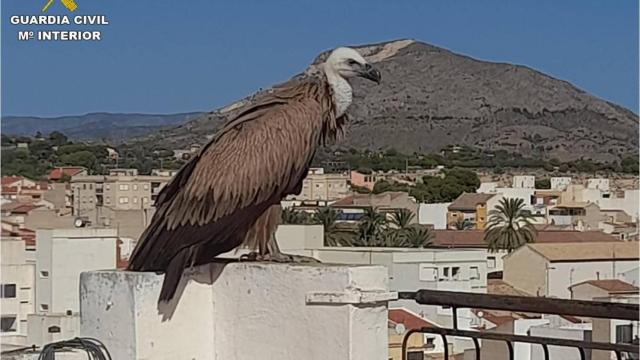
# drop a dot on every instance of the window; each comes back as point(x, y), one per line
point(145, 186)
point(415, 355)
point(124, 187)
point(8, 323)
point(90, 186)
point(145, 199)
point(455, 273)
point(123, 200)
point(135, 187)
point(491, 262)
point(107, 200)
point(431, 342)
point(8, 291)
point(474, 273)
point(44, 274)
point(135, 199)
point(624, 334)
point(445, 274)
point(44, 307)
point(108, 187)
point(54, 329)
point(84, 186)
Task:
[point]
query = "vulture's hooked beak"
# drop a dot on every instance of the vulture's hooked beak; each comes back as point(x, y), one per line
point(371, 73)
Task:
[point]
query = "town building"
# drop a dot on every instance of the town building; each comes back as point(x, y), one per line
point(319, 185)
point(61, 255)
point(65, 173)
point(122, 189)
point(560, 183)
point(473, 207)
point(352, 207)
point(593, 289)
point(365, 180)
point(550, 269)
point(17, 290)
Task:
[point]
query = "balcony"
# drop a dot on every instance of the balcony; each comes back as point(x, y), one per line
point(523, 304)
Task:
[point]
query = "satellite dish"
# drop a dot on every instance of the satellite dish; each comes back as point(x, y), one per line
point(400, 329)
point(81, 222)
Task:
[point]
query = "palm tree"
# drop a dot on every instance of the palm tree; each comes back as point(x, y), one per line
point(371, 225)
point(400, 218)
point(333, 236)
point(463, 224)
point(391, 238)
point(509, 226)
point(291, 216)
point(418, 236)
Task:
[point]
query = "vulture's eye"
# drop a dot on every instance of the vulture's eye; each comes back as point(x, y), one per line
point(352, 62)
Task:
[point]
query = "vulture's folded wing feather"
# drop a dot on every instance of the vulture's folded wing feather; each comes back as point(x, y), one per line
point(255, 160)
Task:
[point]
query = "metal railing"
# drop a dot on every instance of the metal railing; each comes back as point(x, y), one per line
point(522, 304)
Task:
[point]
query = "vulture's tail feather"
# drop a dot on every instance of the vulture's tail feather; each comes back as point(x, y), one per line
point(173, 274)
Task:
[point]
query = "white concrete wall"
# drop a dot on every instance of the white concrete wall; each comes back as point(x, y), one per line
point(300, 237)
point(433, 214)
point(41, 329)
point(599, 184)
point(629, 203)
point(241, 311)
point(561, 275)
point(524, 181)
point(521, 327)
point(632, 276)
point(559, 352)
point(16, 270)
point(516, 193)
point(64, 254)
point(560, 183)
point(487, 187)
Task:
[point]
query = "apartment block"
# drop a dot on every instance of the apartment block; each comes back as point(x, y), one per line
point(319, 185)
point(122, 189)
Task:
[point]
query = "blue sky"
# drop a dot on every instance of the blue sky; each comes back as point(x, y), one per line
point(176, 56)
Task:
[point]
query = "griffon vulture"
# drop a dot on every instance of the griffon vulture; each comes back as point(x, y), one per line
point(229, 194)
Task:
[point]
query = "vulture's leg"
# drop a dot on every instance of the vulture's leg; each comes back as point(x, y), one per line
point(261, 237)
point(274, 254)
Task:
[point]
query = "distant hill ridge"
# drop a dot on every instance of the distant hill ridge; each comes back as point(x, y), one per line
point(94, 125)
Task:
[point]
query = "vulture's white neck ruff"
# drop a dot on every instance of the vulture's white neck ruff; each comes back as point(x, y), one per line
point(342, 92)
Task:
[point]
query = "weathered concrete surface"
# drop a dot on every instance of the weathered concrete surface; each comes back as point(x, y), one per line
point(241, 311)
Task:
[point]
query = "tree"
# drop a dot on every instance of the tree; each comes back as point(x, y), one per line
point(463, 224)
point(629, 164)
point(327, 217)
point(543, 183)
point(371, 225)
point(57, 138)
point(418, 236)
point(509, 226)
point(293, 217)
point(400, 218)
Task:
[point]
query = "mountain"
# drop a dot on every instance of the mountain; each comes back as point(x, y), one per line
point(431, 97)
point(95, 125)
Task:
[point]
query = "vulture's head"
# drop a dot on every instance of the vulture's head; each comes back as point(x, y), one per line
point(348, 63)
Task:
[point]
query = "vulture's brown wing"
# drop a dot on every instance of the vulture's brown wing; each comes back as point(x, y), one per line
point(253, 162)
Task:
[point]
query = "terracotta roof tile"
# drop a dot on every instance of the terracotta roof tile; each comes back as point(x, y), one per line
point(475, 238)
point(469, 201)
point(559, 252)
point(408, 319)
point(610, 285)
point(57, 173)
